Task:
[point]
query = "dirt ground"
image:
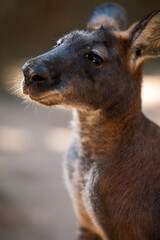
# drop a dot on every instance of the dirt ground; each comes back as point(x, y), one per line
point(34, 204)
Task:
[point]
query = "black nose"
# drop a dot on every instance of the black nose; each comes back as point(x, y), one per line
point(34, 72)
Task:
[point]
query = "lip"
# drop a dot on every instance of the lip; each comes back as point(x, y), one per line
point(41, 95)
point(51, 99)
point(28, 90)
point(40, 98)
point(24, 87)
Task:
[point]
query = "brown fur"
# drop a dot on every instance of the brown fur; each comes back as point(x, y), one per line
point(112, 169)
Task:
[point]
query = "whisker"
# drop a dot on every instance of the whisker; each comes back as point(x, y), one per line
point(26, 100)
point(27, 106)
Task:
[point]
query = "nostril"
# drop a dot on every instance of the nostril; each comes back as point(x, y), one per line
point(34, 72)
point(37, 78)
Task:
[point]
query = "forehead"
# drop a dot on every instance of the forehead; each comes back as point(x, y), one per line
point(91, 37)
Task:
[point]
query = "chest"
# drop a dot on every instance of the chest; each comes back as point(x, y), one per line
point(80, 179)
point(121, 195)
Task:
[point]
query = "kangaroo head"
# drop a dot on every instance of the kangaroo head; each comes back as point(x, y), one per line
point(99, 68)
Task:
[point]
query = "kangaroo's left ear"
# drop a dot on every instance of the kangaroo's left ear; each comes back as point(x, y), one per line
point(108, 15)
point(144, 39)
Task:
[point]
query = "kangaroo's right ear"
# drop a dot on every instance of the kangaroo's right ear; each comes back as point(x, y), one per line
point(144, 38)
point(108, 15)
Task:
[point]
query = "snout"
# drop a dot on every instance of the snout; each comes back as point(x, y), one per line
point(34, 73)
point(42, 81)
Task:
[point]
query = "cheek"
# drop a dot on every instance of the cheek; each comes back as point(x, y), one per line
point(80, 93)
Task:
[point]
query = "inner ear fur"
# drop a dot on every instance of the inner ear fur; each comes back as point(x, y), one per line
point(144, 40)
point(110, 15)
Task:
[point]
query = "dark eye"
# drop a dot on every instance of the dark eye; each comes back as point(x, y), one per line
point(97, 60)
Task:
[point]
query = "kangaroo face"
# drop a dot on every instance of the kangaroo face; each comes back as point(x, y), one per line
point(78, 72)
point(93, 69)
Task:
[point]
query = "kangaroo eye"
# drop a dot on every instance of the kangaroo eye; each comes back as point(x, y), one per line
point(97, 60)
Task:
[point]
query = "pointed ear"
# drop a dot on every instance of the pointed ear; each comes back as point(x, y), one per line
point(144, 38)
point(108, 15)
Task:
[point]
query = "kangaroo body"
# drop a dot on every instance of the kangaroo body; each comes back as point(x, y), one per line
point(112, 169)
point(109, 198)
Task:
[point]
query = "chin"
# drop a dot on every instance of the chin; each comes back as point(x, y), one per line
point(48, 103)
point(48, 100)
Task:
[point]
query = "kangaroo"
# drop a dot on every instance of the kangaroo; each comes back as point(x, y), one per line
point(112, 169)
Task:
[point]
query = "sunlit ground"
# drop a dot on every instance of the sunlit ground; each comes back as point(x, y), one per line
point(34, 204)
point(151, 92)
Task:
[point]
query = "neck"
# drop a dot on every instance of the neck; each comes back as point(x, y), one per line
point(100, 136)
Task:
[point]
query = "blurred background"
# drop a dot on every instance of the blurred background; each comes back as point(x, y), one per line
point(34, 203)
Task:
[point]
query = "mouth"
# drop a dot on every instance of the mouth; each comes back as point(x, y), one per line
point(41, 95)
point(51, 99)
point(46, 96)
